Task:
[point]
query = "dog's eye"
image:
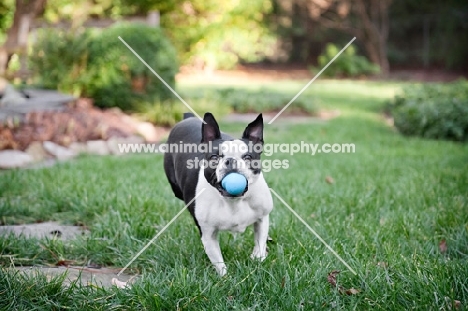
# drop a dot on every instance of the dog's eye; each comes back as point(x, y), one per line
point(247, 157)
point(214, 157)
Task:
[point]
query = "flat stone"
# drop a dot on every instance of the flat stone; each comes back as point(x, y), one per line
point(14, 159)
point(113, 143)
point(44, 230)
point(61, 153)
point(49, 94)
point(29, 100)
point(82, 275)
point(36, 151)
point(78, 148)
point(11, 96)
point(113, 146)
point(97, 147)
point(35, 104)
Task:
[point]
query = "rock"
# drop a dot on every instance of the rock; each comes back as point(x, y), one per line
point(78, 148)
point(113, 143)
point(61, 153)
point(98, 147)
point(136, 139)
point(14, 159)
point(84, 103)
point(11, 96)
point(36, 151)
point(148, 131)
point(7, 141)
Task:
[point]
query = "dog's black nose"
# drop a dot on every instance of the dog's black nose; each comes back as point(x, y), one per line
point(230, 163)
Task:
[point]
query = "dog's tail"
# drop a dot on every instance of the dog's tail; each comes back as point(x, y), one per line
point(188, 115)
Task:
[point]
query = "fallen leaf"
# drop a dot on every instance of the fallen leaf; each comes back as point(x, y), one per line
point(352, 291)
point(329, 180)
point(283, 280)
point(456, 304)
point(118, 283)
point(64, 263)
point(443, 246)
point(331, 278)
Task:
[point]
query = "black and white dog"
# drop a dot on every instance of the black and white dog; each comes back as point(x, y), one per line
point(215, 209)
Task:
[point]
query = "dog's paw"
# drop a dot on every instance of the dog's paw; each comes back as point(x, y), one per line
point(259, 255)
point(221, 269)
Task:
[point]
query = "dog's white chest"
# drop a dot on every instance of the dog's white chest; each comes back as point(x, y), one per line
point(235, 217)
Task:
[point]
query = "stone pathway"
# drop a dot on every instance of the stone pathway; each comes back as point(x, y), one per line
point(101, 277)
point(44, 230)
point(82, 275)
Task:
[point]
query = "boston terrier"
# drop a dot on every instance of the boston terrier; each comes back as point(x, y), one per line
point(198, 172)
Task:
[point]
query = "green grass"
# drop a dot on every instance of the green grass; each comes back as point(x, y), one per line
point(392, 202)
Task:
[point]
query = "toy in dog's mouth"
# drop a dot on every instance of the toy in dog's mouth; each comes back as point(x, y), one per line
point(233, 185)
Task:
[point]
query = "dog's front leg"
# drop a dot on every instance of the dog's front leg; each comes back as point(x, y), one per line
point(212, 249)
point(261, 235)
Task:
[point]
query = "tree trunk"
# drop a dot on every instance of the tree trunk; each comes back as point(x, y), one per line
point(375, 26)
point(25, 12)
point(384, 31)
point(365, 19)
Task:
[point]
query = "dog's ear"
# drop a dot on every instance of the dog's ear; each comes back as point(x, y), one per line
point(210, 128)
point(254, 131)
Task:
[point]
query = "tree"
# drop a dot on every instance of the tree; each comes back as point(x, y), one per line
point(25, 12)
point(207, 33)
point(212, 34)
point(366, 19)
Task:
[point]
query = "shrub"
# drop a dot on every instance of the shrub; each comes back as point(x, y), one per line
point(166, 113)
point(58, 60)
point(119, 78)
point(98, 65)
point(438, 111)
point(348, 64)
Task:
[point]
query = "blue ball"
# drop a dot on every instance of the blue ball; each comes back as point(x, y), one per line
point(234, 183)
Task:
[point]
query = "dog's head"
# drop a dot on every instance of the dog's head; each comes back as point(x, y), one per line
point(226, 156)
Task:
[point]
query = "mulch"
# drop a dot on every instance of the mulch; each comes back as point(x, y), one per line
point(78, 122)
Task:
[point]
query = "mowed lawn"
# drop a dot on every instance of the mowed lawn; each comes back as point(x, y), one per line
point(388, 211)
